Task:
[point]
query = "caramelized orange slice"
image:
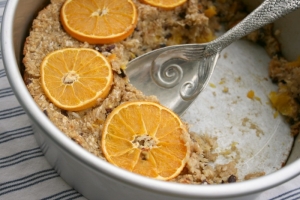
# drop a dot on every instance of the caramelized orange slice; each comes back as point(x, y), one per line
point(146, 138)
point(99, 21)
point(166, 4)
point(75, 78)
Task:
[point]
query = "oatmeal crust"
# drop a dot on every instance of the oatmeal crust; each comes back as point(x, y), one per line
point(156, 28)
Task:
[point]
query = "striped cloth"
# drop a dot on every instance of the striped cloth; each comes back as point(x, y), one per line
point(25, 173)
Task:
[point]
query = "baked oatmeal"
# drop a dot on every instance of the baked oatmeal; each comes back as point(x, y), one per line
point(286, 99)
point(285, 74)
point(193, 22)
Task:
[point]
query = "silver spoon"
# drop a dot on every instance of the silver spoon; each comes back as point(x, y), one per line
point(177, 74)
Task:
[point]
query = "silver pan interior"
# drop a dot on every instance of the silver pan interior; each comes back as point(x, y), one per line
point(268, 145)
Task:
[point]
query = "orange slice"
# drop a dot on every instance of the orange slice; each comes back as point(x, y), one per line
point(99, 21)
point(146, 138)
point(75, 78)
point(166, 4)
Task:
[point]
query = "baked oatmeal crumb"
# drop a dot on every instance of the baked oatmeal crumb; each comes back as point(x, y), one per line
point(254, 175)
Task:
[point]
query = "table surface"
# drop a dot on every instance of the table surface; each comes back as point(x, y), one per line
point(26, 174)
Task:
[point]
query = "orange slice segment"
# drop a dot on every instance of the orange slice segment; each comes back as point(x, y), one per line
point(146, 138)
point(166, 4)
point(99, 21)
point(75, 78)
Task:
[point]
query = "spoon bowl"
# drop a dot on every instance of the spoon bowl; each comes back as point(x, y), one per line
point(172, 77)
point(177, 74)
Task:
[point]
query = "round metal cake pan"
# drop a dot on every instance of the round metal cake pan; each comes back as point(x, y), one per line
point(97, 179)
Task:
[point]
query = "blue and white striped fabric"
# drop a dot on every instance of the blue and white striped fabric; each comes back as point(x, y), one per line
point(25, 173)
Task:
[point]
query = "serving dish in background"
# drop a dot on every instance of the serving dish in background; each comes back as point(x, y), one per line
point(97, 179)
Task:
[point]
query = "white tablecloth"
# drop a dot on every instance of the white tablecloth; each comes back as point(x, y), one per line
point(25, 173)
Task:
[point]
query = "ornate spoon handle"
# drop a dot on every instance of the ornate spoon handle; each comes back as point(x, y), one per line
point(266, 13)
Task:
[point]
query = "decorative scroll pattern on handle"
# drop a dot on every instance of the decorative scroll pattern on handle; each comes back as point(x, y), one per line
point(167, 72)
point(190, 89)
